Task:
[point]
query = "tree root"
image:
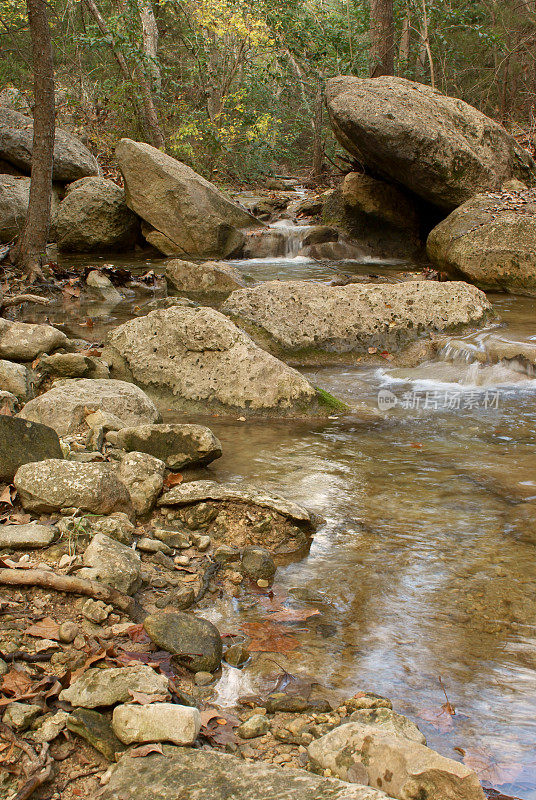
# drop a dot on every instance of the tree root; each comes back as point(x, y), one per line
point(68, 583)
point(17, 299)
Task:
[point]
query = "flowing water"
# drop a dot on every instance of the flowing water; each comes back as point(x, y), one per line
point(419, 571)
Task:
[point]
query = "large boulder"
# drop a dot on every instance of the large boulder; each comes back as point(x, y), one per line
point(14, 198)
point(201, 280)
point(213, 775)
point(491, 241)
point(17, 379)
point(400, 767)
point(23, 341)
point(177, 445)
point(195, 642)
point(53, 484)
point(23, 442)
point(192, 217)
point(94, 216)
point(307, 319)
point(72, 159)
point(441, 148)
point(197, 359)
point(68, 403)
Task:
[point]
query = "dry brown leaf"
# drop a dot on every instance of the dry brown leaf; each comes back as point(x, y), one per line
point(173, 479)
point(292, 615)
point(16, 682)
point(269, 638)
point(8, 495)
point(207, 715)
point(145, 750)
point(46, 628)
point(488, 769)
point(143, 699)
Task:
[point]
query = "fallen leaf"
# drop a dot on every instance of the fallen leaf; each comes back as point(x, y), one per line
point(207, 715)
point(46, 628)
point(145, 749)
point(143, 699)
point(137, 633)
point(269, 638)
point(6, 409)
point(438, 717)
point(8, 495)
point(16, 682)
point(488, 769)
point(293, 615)
point(173, 479)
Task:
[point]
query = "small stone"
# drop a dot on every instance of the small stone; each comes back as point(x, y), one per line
point(255, 726)
point(96, 611)
point(257, 562)
point(156, 722)
point(183, 597)
point(68, 632)
point(175, 539)
point(66, 561)
point(4, 668)
point(45, 644)
point(51, 727)
point(262, 583)
point(201, 542)
point(237, 655)
point(22, 537)
point(148, 545)
point(181, 561)
point(225, 554)
point(195, 641)
point(21, 715)
point(79, 642)
point(203, 678)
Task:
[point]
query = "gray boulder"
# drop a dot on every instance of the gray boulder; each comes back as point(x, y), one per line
point(213, 775)
point(390, 722)
point(194, 641)
point(491, 241)
point(54, 484)
point(156, 722)
point(112, 563)
point(14, 198)
point(22, 537)
point(400, 767)
point(66, 405)
point(191, 217)
point(143, 475)
point(441, 148)
point(72, 159)
point(209, 278)
point(94, 216)
point(73, 365)
point(17, 379)
point(23, 341)
point(106, 687)
point(178, 446)
point(13, 98)
point(310, 319)
point(197, 359)
point(23, 442)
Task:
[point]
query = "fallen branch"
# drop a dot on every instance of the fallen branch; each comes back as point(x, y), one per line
point(68, 583)
point(24, 298)
point(38, 778)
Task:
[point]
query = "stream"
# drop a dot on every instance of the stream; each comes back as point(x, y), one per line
point(418, 573)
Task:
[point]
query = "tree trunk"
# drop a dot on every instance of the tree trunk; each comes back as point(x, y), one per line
point(150, 43)
point(382, 38)
point(318, 145)
point(405, 40)
point(30, 249)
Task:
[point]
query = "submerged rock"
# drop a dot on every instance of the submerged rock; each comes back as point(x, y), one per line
point(94, 216)
point(178, 446)
point(194, 641)
point(56, 484)
point(311, 319)
point(441, 148)
point(24, 442)
point(491, 241)
point(106, 687)
point(72, 159)
point(212, 775)
point(66, 405)
point(189, 215)
point(156, 722)
point(209, 278)
point(23, 341)
point(395, 764)
point(199, 360)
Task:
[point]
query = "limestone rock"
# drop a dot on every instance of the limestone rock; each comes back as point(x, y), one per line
point(23, 341)
point(394, 764)
point(198, 360)
point(307, 318)
point(94, 216)
point(21, 715)
point(195, 641)
point(255, 726)
point(96, 729)
point(73, 365)
point(14, 194)
point(113, 564)
point(143, 475)
point(178, 446)
point(441, 148)
point(116, 526)
point(22, 537)
point(65, 406)
point(209, 278)
point(156, 722)
point(491, 241)
point(106, 687)
point(55, 484)
point(72, 159)
point(196, 219)
point(257, 562)
point(211, 775)
point(17, 379)
point(389, 721)
point(24, 442)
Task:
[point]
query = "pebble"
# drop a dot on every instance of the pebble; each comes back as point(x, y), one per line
point(147, 545)
point(21, 715)
point(96, 611)
point(237, 655)
point(262, 583)
point(4, 668)
point(203, 678)
point(255, 726)
point(201, 542)
point(65, 561)
point(178, 539)
point(79, 642)
point(181, 561)
point(45, 644)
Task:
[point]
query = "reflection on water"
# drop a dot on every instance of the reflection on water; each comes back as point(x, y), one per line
point(423, 571)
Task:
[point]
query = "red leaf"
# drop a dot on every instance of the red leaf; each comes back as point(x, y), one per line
point(145, 749)
point(47, 628)
point(173, 479)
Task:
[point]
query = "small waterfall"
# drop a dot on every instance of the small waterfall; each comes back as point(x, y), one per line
point(290, 236)
point(488, 350)
point(282, 240)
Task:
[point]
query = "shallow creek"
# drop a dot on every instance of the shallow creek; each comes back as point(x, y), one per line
point(417, 572)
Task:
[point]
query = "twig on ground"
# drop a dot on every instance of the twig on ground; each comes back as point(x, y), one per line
point(38, 778)
point(68, 583)
point(78, 775)
point(24, 298)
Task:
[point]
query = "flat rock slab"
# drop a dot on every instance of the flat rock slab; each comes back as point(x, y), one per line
point(303, 317)
point(441, 148)
point(22, 537)
point(178, 446)
point(66, 405)
point(199, 491)
point(106, 687)
point(156, 722)
point(209, 775)
point(24, 442)
point(24, 341)
point(208, 278)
